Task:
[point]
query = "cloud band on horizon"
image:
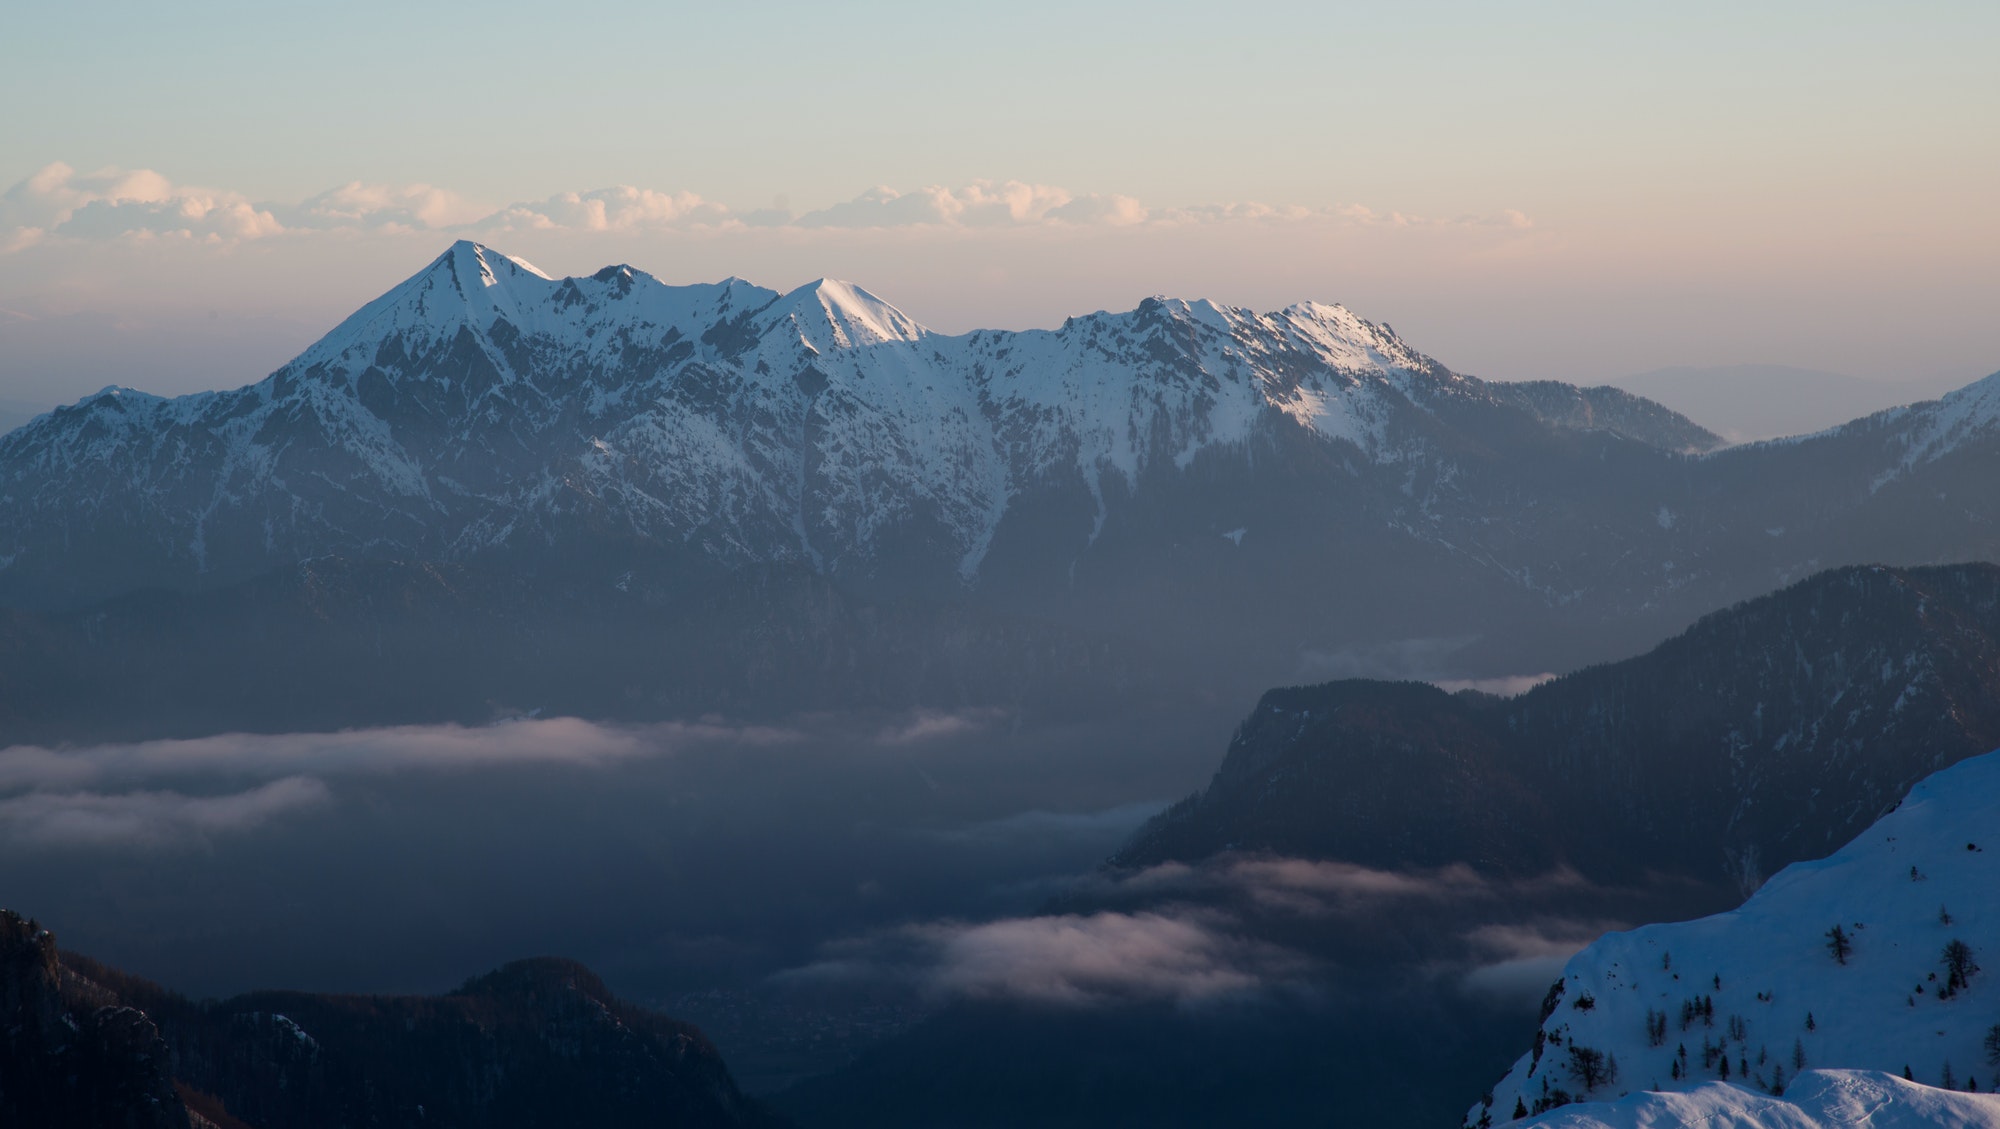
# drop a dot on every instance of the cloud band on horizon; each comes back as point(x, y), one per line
point(59, 203)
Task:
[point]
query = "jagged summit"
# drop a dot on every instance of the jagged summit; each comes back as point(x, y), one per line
point(470, 259)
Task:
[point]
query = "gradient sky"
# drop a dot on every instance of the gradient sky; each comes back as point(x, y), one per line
point(1559, 189)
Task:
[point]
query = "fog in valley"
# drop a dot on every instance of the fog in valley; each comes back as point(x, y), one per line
point(811, 892)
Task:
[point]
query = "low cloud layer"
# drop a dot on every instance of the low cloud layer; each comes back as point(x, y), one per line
point(1181, 956)
point(1194, 933)
point(1305, 888)
point(109, 794)
point(1522, 960)
point(60, 203)
point(1040, 825)
point(149, 818)
point(562, 740)
point(1074, 959)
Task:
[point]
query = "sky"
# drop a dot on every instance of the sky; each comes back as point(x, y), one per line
point(191, 194)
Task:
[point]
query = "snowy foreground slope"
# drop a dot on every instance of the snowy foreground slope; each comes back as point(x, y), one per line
point(1758, 995)
point(1817, 1099)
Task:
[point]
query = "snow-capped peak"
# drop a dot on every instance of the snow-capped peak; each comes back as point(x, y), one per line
point(832, 313)
point(470, 285)
point(475, 261)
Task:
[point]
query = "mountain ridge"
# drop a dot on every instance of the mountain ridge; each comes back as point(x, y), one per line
point(601, 392)
point(1764, 734)
point(1217, 484)
point(534, 1042)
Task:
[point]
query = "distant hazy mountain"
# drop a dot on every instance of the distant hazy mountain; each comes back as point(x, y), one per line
point(1241, 495)
point(1748, 402)
point(538, 1042)
point(1868, 960)
point(1765, 734)
point(337, 642)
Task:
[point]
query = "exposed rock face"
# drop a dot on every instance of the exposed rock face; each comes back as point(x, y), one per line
point(1768, 733)
point(70, 1055)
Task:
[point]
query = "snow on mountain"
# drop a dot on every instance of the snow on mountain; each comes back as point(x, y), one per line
point(1816, 1099)
point(1865, 960)
point(481, 404)
point(1944, 425)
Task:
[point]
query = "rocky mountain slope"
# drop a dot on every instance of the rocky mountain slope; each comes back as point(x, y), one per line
point(1869, 959)
point(538, 1042)
point(71, 1062)
point(1252, 493)
point(1765, 734)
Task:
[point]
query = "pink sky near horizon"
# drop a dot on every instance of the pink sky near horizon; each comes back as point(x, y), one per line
point(1551, 189)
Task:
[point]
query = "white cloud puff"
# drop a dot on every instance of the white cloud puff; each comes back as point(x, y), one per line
point(387, 207)
point(609, 209)
point(114, 203)
point(983, 203)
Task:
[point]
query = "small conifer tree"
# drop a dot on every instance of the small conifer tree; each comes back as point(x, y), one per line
point(1959, 966)
point(1838, 944)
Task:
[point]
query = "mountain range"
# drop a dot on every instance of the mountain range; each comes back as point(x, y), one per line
point(1248, 495)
